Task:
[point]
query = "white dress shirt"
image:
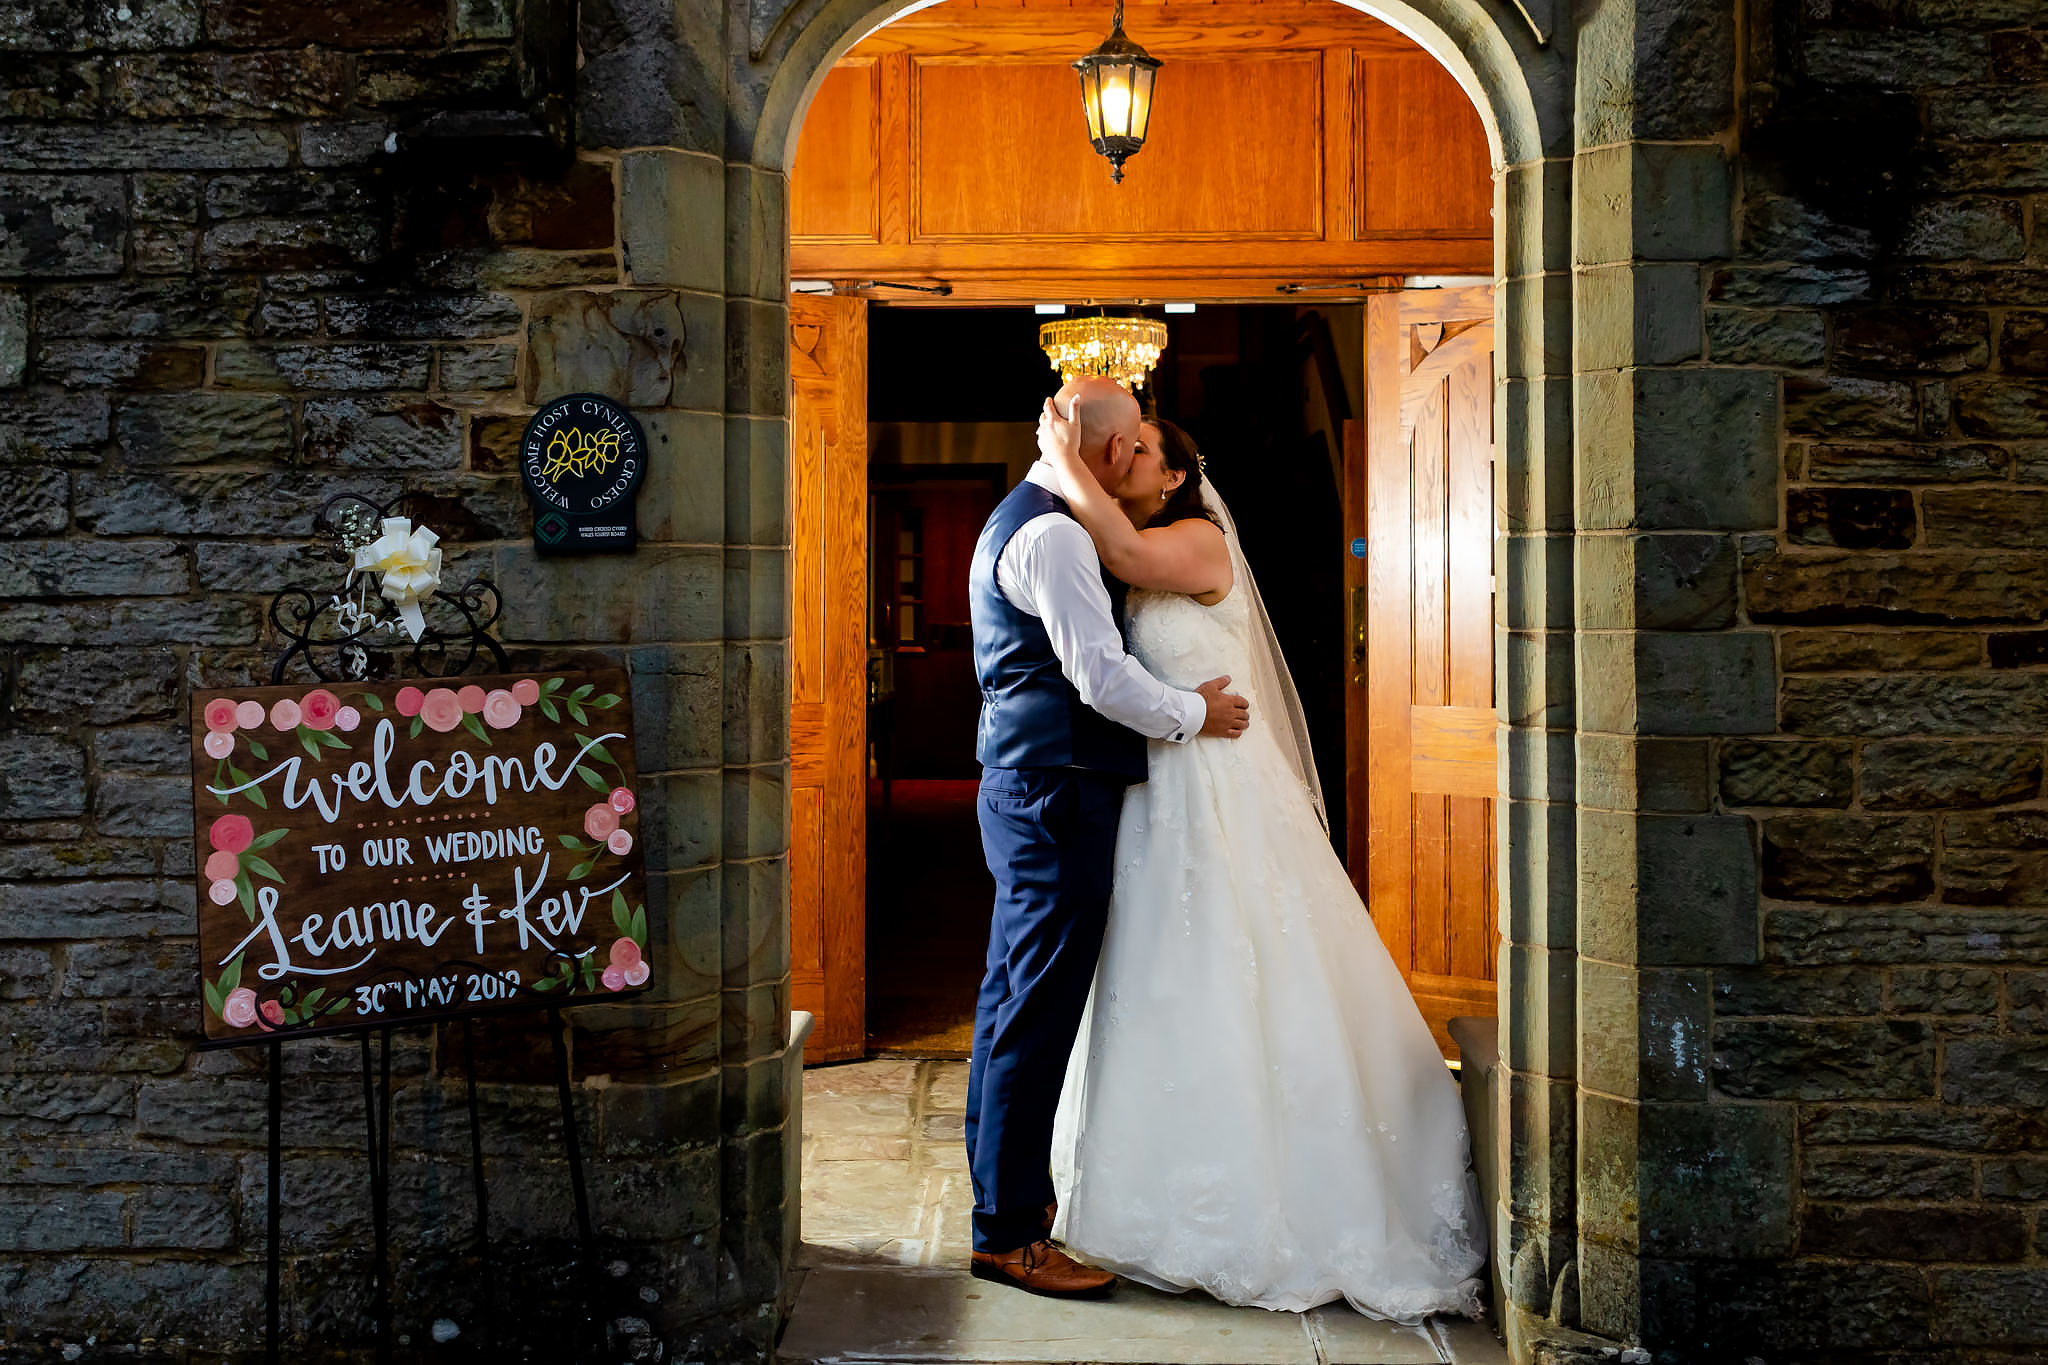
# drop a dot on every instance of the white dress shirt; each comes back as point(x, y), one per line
point(1050, 570)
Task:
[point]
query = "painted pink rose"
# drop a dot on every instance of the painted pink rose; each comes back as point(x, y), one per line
point(218, 743)
point(284, 714)
point(614, 978)
point(637, 974)
point(599, 821)
point(239, 1009)
point(621, 800)
point(625, 952)
point(221, 866)
point(526, 691)
point(220, 713)
point(472, 698)
point(230, 833)
point(222, 892)
point(619, 842)
point(441, 711)
point(501, 710)
point(272, 1011)
point(347, 719)
point(317, 709)
point(408, 701)
point(249, 714)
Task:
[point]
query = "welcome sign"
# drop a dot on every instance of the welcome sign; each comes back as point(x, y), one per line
point(376, 853)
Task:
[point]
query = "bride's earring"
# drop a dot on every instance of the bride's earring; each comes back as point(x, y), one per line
point(1165, 493)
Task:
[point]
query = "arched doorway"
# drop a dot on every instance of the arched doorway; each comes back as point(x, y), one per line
point(1518, 87)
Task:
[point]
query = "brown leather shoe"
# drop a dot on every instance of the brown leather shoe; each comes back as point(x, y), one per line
point(1042, 1268)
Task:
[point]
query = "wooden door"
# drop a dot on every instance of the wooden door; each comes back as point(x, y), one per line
point(1420, 708)
point(828, 647)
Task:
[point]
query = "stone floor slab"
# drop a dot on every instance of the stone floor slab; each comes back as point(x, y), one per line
point(848, 1315)
point(1349, 1338)
point(1464, 1342)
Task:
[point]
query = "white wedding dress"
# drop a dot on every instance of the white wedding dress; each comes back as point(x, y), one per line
point(1255, 1106)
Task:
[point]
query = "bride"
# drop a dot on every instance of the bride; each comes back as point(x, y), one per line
point(1254, 1106)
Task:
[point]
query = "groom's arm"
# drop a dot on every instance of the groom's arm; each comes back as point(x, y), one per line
point(1049, 569)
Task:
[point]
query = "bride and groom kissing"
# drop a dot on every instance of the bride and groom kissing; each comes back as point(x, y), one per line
point(1195, 1065)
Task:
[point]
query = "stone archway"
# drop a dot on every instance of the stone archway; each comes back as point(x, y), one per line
point(1522, 85)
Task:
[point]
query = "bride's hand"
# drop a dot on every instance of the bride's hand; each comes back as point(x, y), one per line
point(1059, 441)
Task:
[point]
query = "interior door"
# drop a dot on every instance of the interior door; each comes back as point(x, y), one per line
point(1421, 732)
point(828, 355)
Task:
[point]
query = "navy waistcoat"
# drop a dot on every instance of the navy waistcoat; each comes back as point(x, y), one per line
point(1031, 716)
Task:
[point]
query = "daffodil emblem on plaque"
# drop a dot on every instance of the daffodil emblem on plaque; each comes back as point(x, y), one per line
point(582, 461)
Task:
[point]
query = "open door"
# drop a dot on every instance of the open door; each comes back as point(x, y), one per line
point(828, 648)
point(1420, 710)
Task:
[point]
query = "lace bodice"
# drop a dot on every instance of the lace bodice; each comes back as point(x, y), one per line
point(1184, 643)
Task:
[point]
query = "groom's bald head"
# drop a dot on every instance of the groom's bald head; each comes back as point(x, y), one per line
point(1108, 417)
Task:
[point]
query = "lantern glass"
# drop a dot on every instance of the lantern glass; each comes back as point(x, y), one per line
point(1091, 100)
point(1116, 101)
point(1141, 100)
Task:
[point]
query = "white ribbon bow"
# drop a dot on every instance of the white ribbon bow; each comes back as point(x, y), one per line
point(410, 563)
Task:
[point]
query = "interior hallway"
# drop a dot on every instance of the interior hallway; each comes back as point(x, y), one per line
point(882, 1273)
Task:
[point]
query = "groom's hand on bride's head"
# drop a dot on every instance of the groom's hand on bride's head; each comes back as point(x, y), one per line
point(1228, 712)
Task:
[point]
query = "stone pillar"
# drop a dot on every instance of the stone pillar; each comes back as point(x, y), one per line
point(1676, 459)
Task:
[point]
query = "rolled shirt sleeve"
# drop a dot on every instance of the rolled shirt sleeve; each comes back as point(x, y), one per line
point(1050, 569)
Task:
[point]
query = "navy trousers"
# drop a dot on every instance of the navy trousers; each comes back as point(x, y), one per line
point(1050, 837)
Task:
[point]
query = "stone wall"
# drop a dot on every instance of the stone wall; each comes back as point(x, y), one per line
point(253, 253)
point(1817, 1130)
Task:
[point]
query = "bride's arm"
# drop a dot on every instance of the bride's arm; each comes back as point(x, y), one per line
point(1188, 556)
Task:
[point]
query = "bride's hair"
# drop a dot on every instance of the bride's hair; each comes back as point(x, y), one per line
point(1177, 449)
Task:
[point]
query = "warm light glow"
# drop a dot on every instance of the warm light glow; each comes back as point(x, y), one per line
point(1116, 106)
point(1124, 349)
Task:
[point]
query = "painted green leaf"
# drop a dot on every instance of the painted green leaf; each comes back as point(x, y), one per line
point(581, 869)
point(418, 724)
point(232, 977)
point(336, 1006)
point(602, 754)
point(621, 917)
point(308, 743)
point(313, 996)
point(214, 999)
point(548, 709)
point(474, 726)
point(571, 841)
point(547, 984)
point(605, 702)
point(263, 841)
point(254, 793)
point(373, 701)
point(256, 748)
point(576, 713)
point(246, 893)
point(590, 776)
point(551, 685)
point(585, 690)
point(291, 1016)
point(261, 867)
point(639, 934)
point(331, 740)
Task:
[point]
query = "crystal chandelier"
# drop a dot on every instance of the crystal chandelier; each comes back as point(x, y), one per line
point(1125, 349)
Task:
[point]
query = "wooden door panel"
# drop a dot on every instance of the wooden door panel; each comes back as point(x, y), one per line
point(1424, 764)
point(828, 671)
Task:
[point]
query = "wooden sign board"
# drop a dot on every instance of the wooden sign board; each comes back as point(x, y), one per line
point(378, 853)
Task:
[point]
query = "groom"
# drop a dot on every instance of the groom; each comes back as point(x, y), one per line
point(1064, 718)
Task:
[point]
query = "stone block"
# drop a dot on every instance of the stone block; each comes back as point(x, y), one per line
point(1666, 890)
point(2027, 1001)
point(754, 920)
point(1964, 228)
point(465, 78)
point(1997, 286)
point(1535, 491)
point(652, 76)
point(681, 500)
point(660, 593)
point(1918, 1233)
point(347, 142)
point(40, 505)
point(60, 224)
point(672, 218)
point(1687, 1179)
point(757, 811)
point(41, 776)
point(237, 85)
point(382, 432)
point(1655, 70)
point(1782, 227)
point(1787, 285)
point(71, 569)
point(69, 687)
point(1661, 582)
point(756, 594)
point(1787, 773)
point(142, 749)
point(1834, 407)
point(203, 428)
point(13, 337)
point(1843, 651)
point(756, 703)
point(1906, 774)
point(1644, 435)
point(676, 706)
point(684, 832)
point(1653, 201)
point(471, 369)
point(1641, 1034)
point(1940, 588)
point(50, 87)
point(1850, 518)
point(1784, 338)
point(1809, 936)
point(1625, 772)
point(628, 344)
point(289, 194)
point(369, 23)
point(1854, 1173)
point(1973, 704)
point(146, 807)
point(1913, 341)
point(1948, 1130)
point(197, 307)
point(1823, 1059)
point(756, 480)
point(1677, 684)
point(1848, 859)
point(292, 243)
point(1986, 518)
point(1996, 1071)
point(83, 1221)
point(658, 1119)
point(424, 316)
point(366, 366)
point(1964, 167)
point(1951, 991)
point(1827, 462)
point(1898, 58)
point(1751, 991)
point(100, 909)
point(185, 146)
point(123, 365)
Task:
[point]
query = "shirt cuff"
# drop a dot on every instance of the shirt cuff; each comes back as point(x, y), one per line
point(1193, 713)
